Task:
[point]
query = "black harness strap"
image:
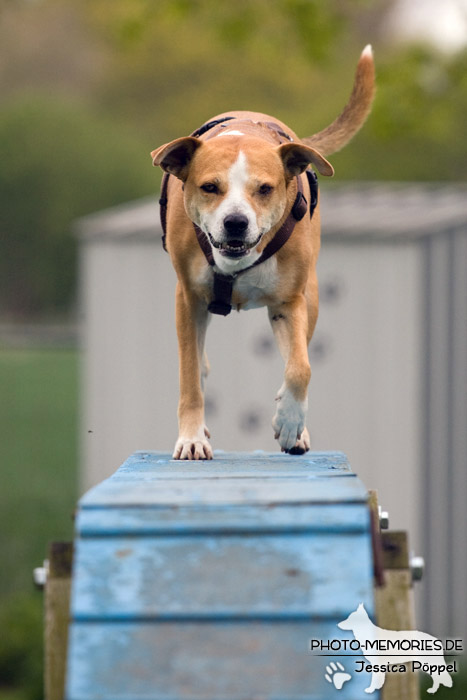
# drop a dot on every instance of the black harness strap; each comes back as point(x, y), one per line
point(222, 294)
point(163, 201)
point(210, 125)
point(223, 284)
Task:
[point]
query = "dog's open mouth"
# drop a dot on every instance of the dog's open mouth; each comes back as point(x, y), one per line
point(234, 248)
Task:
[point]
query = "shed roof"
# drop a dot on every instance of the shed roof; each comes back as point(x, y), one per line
point(381, 211)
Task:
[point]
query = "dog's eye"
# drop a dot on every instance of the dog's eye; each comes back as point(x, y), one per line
point(265, 189)
point(210, 188)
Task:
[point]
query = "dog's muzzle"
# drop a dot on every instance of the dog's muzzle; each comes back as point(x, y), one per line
point(233, 247)
point(233, 243)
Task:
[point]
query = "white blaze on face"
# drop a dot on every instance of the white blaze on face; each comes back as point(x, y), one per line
point(238, 178)
point(235, 202)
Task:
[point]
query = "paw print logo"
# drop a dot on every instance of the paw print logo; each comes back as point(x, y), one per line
point(336, 675)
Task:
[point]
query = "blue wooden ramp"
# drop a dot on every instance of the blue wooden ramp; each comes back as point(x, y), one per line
point(207, 580)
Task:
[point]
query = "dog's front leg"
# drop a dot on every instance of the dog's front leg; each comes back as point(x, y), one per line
point(377, 681)
point(289, 322)
point(191, 320)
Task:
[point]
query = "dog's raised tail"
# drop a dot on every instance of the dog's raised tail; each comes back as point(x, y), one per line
point(352, 118)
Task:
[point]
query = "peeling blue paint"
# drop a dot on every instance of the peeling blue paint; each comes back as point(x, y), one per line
point(206, 581)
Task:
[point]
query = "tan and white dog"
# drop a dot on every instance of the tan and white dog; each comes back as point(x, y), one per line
point(236, 184)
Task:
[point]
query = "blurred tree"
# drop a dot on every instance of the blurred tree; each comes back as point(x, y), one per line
point(175, 63)
point(48, 45)
point(416, 128)
point(59, 161)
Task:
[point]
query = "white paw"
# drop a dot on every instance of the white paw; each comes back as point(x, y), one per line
point(337, 675)
point(289, 421)
point(193, 448)
point(302, 445)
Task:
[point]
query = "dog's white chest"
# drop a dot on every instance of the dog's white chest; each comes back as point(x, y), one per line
point(254, 285)
point(251, 288)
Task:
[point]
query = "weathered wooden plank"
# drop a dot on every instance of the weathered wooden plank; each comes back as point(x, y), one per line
point(233, 660)
point(156, 520)
point(285, 575)
point(154, 478)
point(239, 463)
point(181, 491)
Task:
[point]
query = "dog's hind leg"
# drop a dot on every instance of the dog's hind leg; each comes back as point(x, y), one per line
point(205, 369)
point(442, 678)
point(445, 679)
point(192, 320)
point(434, 687)
point(312, 300)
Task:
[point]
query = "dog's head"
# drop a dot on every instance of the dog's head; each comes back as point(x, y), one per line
point(355, 619)
point(235, 188)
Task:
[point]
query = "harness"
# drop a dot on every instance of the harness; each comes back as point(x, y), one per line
point(223, 284)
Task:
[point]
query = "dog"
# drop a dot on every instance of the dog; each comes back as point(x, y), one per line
point(234, 192)
point(365, 632)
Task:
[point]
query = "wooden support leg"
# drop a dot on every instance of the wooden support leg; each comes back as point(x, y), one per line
point(57, 613)
point(394, 603)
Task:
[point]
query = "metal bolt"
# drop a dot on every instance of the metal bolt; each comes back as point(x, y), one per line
point(417, 567)
point(40, 573)
point(383, 518)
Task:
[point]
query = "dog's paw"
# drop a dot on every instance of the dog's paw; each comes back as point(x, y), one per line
point(289, 422)
point(336, 675)
point(302, 445)
point(197, 447)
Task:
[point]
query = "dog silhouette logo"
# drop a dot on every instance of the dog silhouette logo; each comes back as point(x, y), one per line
point(380, 647)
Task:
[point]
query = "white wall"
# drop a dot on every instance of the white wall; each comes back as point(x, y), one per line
point(365, 387)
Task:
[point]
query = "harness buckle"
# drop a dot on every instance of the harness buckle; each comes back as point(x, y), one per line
point(219, 307)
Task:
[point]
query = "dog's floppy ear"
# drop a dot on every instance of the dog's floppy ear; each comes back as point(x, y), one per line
point(175, 157)
point(296, 158)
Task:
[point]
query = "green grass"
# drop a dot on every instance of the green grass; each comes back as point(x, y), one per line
point(38, 476)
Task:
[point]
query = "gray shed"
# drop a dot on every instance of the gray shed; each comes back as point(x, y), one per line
point(389, 361)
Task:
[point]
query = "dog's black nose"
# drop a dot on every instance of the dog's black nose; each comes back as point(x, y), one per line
point(235, 224)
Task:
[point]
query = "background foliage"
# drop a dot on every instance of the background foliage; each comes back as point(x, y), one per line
point(90, 88)
point(60, 161)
